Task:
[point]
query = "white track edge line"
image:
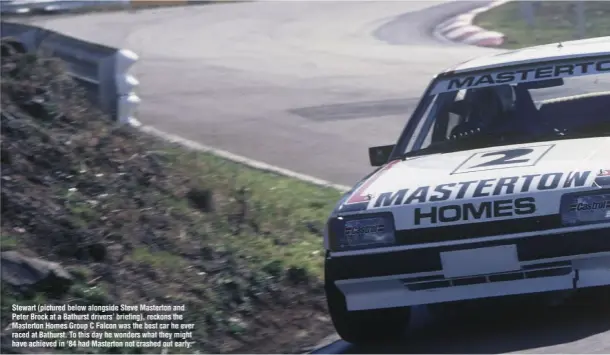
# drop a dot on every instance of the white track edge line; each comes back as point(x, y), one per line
point(255, 164)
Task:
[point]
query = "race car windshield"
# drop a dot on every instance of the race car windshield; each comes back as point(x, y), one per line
point(526, 112)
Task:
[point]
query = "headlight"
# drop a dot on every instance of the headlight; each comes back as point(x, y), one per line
point(361, 232)
point(585, 208)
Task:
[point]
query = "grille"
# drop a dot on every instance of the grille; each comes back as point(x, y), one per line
point(428, 259)
point(477, 230)
point(529, 272)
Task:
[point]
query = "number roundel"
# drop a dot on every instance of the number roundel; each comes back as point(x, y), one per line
point(510, 156)
point(503, 159)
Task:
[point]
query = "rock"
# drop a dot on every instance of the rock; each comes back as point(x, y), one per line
point(314, 228)
point(279, 242)
point(207, 253)
point(6, 157)
point(201, 199)
point(238, 323)
point(36, 106)
point(215, 266)
point(34, 274)
point(97, 251)
point(297, 275)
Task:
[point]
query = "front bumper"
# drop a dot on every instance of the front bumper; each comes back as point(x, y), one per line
point(416, 276)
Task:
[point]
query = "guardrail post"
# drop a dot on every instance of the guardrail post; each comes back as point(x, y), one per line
point(127, 99)
point(106, 95)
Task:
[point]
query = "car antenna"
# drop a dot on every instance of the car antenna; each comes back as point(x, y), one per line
point(559, 45)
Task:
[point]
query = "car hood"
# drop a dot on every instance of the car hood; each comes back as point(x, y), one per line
point(534, 175)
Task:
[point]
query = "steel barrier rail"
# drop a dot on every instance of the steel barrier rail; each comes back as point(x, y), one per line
point(28, 7)
point(103, 71)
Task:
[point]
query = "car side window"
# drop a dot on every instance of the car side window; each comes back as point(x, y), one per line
point(421, 126)
point(446, 120)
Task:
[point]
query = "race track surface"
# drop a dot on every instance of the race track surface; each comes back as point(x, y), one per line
point(308, 86)
point(581, 325)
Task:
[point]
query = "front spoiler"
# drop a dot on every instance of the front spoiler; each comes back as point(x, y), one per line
point(398, 291)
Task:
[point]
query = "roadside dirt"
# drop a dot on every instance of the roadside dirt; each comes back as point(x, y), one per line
point(126, 215)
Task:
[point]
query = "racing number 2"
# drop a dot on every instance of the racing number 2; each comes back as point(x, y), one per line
point(503, 159)
point(506, 157)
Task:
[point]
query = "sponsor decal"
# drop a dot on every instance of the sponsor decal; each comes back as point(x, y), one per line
point(526, 74)
point(483, 188)
point(358, 196)
point(583, 206)
point(503, 159)
point(367, 231)
point(603, 178)
point(359, 231)
point(475, 211)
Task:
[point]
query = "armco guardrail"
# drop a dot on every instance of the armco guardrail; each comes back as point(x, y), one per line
point(26, 7)
point(103, 71)
point(29, 7)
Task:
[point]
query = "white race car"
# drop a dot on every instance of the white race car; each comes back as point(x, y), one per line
point(498, 185)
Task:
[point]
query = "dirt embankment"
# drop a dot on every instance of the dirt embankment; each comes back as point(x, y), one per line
point(132, 220)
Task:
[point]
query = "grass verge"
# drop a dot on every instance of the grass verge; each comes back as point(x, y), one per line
point(138, 220)
point(555, 21)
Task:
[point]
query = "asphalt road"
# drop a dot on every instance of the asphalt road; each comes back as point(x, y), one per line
point(580, 325)
point(308, 86)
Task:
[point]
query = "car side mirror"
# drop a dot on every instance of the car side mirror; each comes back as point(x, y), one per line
point(380, 155)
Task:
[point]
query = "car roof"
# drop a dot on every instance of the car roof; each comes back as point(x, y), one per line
point(583, 48)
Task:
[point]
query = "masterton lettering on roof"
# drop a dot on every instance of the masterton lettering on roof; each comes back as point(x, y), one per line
point(525, 74)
